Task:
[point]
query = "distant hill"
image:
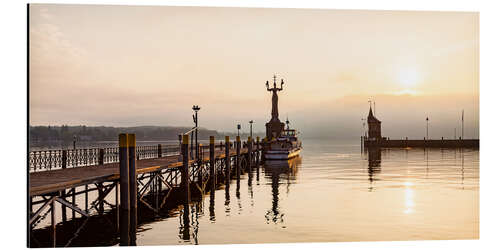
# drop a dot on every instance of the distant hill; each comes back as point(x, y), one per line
point(66, 133)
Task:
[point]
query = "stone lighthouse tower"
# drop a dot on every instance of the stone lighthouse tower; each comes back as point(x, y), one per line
point(374, 126)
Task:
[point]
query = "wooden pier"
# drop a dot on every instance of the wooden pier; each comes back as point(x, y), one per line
point(425, 143)
point(56, 178)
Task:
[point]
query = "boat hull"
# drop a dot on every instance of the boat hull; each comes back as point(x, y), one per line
point(281, 155)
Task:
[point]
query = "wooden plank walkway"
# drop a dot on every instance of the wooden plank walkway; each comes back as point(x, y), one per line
point(55, 180)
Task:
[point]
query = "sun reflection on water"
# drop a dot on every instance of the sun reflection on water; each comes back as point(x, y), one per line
point(409, 203)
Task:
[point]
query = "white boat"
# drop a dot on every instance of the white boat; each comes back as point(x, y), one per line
point(286, 146)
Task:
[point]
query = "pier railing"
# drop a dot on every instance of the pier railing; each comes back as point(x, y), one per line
point(43, 160)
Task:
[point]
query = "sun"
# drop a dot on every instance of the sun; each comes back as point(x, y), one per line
point(408, 77)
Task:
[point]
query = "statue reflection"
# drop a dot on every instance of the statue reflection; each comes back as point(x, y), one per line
point(374, 160)
point(275, 170)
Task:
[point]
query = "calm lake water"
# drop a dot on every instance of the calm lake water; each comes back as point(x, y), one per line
point(335, 192)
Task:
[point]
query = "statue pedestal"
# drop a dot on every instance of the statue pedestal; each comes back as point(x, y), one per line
point(274, 129)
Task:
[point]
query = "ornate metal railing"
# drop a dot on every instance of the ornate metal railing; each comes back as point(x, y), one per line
point(43, 160)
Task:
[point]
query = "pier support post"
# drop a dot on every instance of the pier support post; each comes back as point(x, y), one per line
point(124, 191)
point(159, 151)
point(238, 157)
point(101, 156)
point(53, 224)
point(64, 165)
point(249, 150)
point(212, 162)
point(228, 161)
point(185, 168)
point(133, 187)
point(257, 155)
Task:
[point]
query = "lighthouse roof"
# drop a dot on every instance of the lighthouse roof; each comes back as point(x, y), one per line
point(371, 118)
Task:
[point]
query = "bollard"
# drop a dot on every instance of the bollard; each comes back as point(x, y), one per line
point(228, 162)
point(185, 168)
point(249, 154)
point(133, 187)
point(238, 157)
point(212, 161)
point(124, 192)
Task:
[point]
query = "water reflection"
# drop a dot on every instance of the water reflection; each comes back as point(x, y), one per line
point(409, 199)
point(374, 161)
point(274, 170)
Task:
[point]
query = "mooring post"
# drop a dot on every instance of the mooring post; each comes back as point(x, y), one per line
point(200, 167)
point(64, 165)
point(257, 156)
point(73, 202)
point(124, 191)
point(249, 150)
point(192, 144)
point(212, 161)
point(185, 168)
point(133, 187)
point(238, 157)
point(53, 223)
point(228, 161)
point(117, 205)
point(159, 151)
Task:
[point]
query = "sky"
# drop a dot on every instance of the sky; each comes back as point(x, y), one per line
point(148, 65)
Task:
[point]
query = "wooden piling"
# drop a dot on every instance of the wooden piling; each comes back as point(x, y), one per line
point(73, 202)
point(257, 155)
point(64, 165)
point(124, 191)
point(228, 161)
point(53, 223)
point(133, 186)
point(212, 161)
point(238, 157)
point(117, 206)
point(250, 152)
point(185, 169)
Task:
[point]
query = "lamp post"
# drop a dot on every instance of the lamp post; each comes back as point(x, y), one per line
point(238, 127)
point(427, 128)
point(74, 142)
point(196, 108)
point(251, 122)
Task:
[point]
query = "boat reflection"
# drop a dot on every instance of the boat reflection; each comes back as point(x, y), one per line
point(279, 172)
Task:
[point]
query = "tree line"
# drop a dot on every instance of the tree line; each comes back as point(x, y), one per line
point(103, 133)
